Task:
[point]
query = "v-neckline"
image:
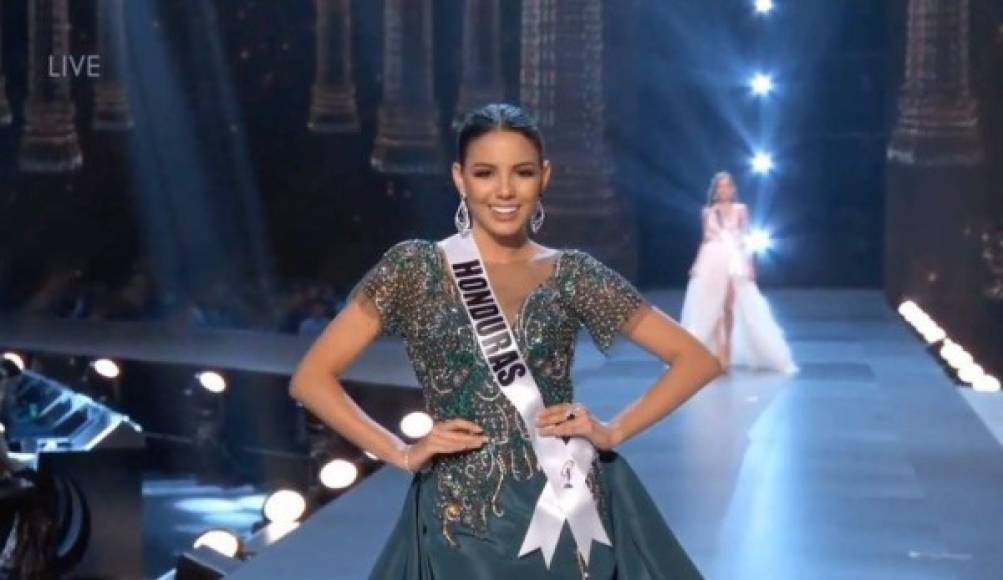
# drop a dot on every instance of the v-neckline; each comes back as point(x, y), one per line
point(521, 311)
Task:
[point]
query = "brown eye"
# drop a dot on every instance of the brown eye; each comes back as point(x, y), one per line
point(481, 174)
point(528, 173)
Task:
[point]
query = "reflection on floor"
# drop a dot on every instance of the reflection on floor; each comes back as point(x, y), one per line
point(870, 464)
point(177, 510)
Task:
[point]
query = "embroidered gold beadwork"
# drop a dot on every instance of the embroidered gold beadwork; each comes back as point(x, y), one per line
point(411, 289)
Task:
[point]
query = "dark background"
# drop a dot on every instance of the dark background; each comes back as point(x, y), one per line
point(226, 85)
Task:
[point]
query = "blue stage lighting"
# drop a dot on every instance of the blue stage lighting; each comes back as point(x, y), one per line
point(761, 84)
point(762, 163)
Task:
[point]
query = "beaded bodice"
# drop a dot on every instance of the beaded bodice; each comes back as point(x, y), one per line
point(416, 300)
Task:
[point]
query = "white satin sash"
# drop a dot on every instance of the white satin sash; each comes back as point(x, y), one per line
point(566, 497)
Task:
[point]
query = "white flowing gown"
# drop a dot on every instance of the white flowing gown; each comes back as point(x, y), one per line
point(722, 261)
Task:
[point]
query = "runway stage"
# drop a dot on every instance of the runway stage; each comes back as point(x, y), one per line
point(870, 464)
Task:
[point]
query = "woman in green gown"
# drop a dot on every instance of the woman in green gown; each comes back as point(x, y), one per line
point(478, 481)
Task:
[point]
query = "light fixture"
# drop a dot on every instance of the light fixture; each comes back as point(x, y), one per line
point(986, 384)
point(15, 358)
point(759, 241)
point(212, 381)
point(416, 425)
point(764, 6)
point(338, 474)
point(284, 505)
point(762, 163)
point(223, 541)
point(761, 84)
point(907, 307)
point(107, 368)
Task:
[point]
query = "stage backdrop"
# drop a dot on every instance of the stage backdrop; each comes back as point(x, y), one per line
point(225, 154)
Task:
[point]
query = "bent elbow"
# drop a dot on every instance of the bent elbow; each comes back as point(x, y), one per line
point(711, 365)
point(298, 386)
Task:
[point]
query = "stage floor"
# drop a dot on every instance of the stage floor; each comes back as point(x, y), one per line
point(869, 464)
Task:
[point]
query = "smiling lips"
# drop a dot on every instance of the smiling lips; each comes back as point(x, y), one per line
point(504, 212)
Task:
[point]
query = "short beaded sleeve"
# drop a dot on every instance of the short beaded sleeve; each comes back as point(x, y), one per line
point(395, 284)
point(602, 300)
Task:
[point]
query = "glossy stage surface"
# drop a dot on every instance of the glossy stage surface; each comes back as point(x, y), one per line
point(868, 464)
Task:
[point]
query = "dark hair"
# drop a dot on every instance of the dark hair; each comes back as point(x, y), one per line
point(496, 117)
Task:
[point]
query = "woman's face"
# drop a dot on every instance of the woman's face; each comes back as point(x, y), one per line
point(725, 191)
point(502, 180)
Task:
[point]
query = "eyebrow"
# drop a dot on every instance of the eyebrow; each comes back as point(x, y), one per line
point(492, 165)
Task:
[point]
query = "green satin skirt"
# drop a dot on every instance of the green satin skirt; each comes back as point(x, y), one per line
point(644, 548)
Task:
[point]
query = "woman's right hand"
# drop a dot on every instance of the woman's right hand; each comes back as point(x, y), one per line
point(446, 437)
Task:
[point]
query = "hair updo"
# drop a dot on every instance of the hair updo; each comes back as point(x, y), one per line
point(496, 117)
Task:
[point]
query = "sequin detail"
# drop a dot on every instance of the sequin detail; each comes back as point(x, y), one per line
point(411, 289)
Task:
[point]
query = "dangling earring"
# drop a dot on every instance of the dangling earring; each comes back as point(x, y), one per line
point(536, 222)
point(462, 218)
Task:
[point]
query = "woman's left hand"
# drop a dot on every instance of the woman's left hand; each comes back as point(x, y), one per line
point(575, 420)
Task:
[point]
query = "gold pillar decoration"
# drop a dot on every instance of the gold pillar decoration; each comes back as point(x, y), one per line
point(562, 85)
point(111, 96)
point(332, 98)
point(49, 143)
point(482, 81)
point(938, 120)
point(408, 138)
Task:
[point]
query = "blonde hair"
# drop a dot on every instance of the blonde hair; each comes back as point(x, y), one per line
point(714, 181)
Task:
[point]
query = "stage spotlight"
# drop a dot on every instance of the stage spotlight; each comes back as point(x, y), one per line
point(907, 309)
point(960, 358)
point(921, 322)
point(101, 381)
point(338, 474)
point(212, 381)
point(948, 350)
point(761, 84)
point(986, 384)
point(970, 373)
point(918, 318)
point(764, 6)
point(934, 334)
point(223, 541)
point(205, 417)
point(284, 506)
point(15, 358)
point(762, 163)
point(107, 368)
point(758, 241)
point(416, 425)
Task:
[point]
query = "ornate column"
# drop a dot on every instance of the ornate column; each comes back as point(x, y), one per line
point(111, 96)
point(562, 84)
point(49, 143)
point(482, 81)
point(938, 119)
point(332, 98)
point(5, 114)
point(407, 141)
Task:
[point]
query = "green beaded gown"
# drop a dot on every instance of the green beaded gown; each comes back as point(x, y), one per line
point(466, 516)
